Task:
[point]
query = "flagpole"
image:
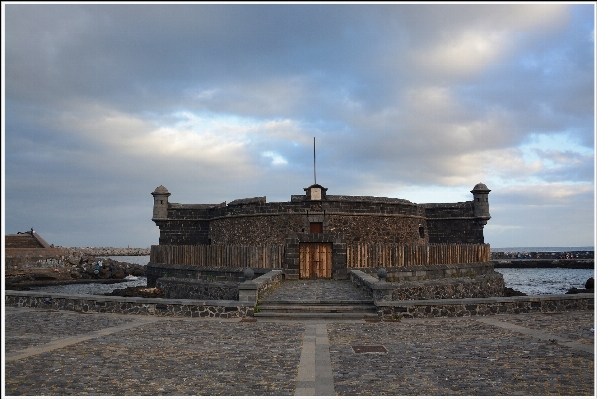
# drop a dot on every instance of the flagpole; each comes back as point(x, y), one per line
point(314, 169)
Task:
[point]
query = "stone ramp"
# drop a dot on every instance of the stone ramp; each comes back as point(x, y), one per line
point(317, 299)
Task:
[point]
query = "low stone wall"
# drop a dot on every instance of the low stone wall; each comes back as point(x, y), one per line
point(236, 309)
point(269, 282)
point(365, 282)
point(484, 306)
point(122, 305)
point(211, 283)
point(34, 258)
point(186, 288)
point(432, 272)
point(483, 286)
point(154, 271)
point(250, 291)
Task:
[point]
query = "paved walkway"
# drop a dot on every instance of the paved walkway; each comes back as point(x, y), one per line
point(68, 353)
point(316, 290)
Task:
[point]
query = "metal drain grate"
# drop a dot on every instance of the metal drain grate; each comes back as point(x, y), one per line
point(369, 349)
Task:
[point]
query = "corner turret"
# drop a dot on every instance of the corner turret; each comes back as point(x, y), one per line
point(481, 202)
point(160, 203)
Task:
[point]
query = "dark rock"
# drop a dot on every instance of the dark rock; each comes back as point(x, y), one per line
point(87, 259)
point(76, 275)
point(104, 273)
point(45, 276)
point(589, 288)
point(118, 274)
point(143, 292)
point(138, 271)
point(580, 291)
point(74, 260)
point(513, 292)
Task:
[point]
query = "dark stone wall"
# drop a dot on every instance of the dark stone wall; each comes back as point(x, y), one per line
point(261, 207)
point(453, 224)
point(455, 232)
point(184, 232)
point(484, 286)
point(255, 230)
point(467, 280)
point(177, 288)
point(377, 229)
point(133, 306)
point(186, 224)
point(486, 307)
point(253, 221)
point(372, 206)
point(433, 272)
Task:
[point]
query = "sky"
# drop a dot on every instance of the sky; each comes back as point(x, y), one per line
point(102, 103)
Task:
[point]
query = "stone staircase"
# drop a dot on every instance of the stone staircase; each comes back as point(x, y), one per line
point(316, 299)
point(23, 240)
point(317, 309)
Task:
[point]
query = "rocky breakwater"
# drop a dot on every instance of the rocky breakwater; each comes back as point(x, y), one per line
point(106, 251)
point(544, 263)
point(73, 269)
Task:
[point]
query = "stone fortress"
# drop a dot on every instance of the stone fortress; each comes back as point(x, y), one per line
point(254, 221)
point(317, 229)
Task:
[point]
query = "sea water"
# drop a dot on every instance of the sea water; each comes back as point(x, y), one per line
point(92, 288)
point(548, 281)
point(542, 249)
point(101, 289)
point(530, 281)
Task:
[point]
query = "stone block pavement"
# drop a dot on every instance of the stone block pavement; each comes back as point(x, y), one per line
point(73, 354)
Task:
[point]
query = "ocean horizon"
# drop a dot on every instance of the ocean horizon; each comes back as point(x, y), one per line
point(542, 249)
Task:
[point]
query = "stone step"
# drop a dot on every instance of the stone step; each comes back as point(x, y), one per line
point(300, 302)
point(328, 308)
point(317, 309)
point(317, 315)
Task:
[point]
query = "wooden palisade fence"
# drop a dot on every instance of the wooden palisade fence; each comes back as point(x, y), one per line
point(360, 255)
point(255, 257)
point(397, 255)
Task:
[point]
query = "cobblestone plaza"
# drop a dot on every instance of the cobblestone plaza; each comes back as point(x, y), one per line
point(70, 353)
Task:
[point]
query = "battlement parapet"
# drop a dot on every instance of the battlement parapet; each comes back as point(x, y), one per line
point(254, 221)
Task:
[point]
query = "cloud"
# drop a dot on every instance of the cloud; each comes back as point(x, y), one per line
point(545, 194)
point(463, 55)
point(219, 102)
point(276, 159)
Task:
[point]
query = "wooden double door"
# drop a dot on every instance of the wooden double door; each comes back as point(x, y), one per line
point(315, 260)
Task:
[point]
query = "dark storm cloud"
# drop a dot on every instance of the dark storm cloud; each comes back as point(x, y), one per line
point(104, 102)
